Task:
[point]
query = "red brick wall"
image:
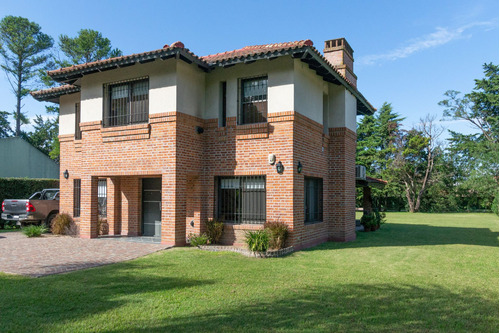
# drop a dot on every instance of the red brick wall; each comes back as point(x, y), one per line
point(188, 162)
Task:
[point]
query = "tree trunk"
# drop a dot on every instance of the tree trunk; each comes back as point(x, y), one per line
point(18, 96)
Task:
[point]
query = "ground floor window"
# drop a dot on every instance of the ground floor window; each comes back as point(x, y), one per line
point(77, 193)
point(101, 197)
point(313, 203)
point(241, 199)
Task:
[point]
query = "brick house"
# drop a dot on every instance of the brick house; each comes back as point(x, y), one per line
point(262, 133)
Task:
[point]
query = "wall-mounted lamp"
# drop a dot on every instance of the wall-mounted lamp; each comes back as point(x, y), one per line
point(191, 223)
point(271, 158)
point(199, 130)
point(299, 167)
point(66, 174)
point(280, 168)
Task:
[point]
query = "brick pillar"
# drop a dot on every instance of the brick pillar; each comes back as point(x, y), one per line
point(130, 206)
point(193, 205)
point(342, 190)
point(173, 207)
point(113, 204)
point(89, 207)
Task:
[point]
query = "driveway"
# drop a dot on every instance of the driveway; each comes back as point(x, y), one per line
point(52, 254)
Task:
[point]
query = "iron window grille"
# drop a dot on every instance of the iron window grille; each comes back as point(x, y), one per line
point(78, 131)
point(126, 102)
point(313, 203)
point(77, 193)
point(102, 189)
point(241, 199)
point(253, 100)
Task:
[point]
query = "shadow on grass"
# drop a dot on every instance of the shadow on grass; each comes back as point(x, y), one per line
point(344, 308)
point(33, 304)
point(392, 234)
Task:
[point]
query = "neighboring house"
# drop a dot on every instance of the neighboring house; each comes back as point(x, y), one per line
point(181, 139)
point(19, 159)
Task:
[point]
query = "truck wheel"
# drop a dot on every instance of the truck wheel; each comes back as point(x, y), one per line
point(48, 221)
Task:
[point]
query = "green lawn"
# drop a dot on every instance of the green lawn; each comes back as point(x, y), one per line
point(418, 273)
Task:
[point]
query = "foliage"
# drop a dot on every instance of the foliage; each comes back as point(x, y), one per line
point(44, 134)
point(34, 230)
point(23, 48)
point(197, 240)
point(258, 240)
point(373, 219)
point(102, 226)
point(214, 230)
point(5, 130)
point(88, 46)
point(23, 188)
point(61, 223)
point(278, 233)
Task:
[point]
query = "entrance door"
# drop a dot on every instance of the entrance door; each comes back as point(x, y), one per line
point(151, 207)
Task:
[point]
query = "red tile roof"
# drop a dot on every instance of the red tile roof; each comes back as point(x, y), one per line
point(256, 50)
point(55, 92)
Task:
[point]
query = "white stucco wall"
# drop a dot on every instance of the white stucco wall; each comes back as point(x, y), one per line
point(190, 89)
point(308, 92)
point(280, 86)
point(162, 87)
point(67, 113)
point(342, 108)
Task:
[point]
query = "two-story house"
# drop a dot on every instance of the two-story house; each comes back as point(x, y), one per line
point(262, 133)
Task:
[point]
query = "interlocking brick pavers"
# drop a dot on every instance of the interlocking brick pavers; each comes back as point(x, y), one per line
point(52, 254)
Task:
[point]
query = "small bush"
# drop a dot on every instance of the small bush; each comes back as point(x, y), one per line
point(35, 230)
point(197, 240)
point(61, 223)
point(257, 241)
point(102, 226)
point(214, 230)
point(278, 233)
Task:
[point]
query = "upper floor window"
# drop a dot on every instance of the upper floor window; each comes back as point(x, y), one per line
point(126, 103)
point(253, 100)
point(223, 104)
point(78, 130)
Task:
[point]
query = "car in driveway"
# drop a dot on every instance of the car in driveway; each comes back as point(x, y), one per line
point(40, 208)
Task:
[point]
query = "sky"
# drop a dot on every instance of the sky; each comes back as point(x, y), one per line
point(407, 53)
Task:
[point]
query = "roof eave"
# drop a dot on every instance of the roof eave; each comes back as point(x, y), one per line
point(53, 96)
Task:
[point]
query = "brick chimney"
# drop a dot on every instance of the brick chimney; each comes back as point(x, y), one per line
point(339, 53)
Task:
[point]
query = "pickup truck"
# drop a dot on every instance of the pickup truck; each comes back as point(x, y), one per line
point(41, 208)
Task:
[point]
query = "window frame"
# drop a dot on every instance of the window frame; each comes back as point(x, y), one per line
point(318, 207)
point(113, 121)
point(77, 197)
point(240, 207)
point(241, 115)
point(102, 196)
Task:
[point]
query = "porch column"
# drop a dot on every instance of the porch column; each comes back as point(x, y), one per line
point(173, 206)
point(367, 200)
point(342, 189)
point(113, 205)
point(130, 206)
point(89, 207)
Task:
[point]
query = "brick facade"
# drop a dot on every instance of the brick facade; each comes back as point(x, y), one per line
point(188, 164)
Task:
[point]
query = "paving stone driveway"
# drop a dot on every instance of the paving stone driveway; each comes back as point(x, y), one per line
point(51, 254)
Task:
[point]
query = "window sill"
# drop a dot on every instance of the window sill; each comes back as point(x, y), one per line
point(313, 223)
point(252, 131)
point(124, 133)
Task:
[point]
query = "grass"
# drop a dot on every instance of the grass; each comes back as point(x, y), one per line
point(418, 273)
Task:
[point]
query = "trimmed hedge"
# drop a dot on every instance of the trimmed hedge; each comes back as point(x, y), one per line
point(23, 188)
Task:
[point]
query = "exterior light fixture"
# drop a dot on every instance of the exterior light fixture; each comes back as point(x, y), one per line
point(66, 174)
point(299, 167)
point(199, 130)
point(279, 167)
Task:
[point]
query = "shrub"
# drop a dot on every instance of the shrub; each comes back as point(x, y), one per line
point(368, 220)
point(214, 230)
point(257, 241)
point(278, 233)
point(102, 226)
point(61, 223)
point(197, 240)
point(35, 230)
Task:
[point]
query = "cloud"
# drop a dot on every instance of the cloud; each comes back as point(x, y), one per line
point(437, 38)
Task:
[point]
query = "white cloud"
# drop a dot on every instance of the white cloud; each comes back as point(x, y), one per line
point(437, 38)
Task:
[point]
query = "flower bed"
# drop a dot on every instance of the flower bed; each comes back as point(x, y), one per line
point(248, 253)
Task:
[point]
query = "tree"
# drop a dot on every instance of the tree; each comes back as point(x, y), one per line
point(88, 46)
point(5, 130)
point(417, 149)
point(22, 49)
point(45, 131)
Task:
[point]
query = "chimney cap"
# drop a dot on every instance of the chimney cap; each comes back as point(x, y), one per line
point(175, 44)
point(337, 44)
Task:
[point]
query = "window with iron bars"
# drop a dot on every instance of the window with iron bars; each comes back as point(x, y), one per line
point(126, 103)
point(241, 199)
point(313, 199)
point(102, 189)
point(77, 188)
point(253, 100)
